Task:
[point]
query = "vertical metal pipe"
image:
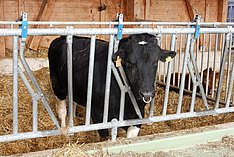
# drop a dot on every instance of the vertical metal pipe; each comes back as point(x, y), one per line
point(198, 78)
point(90, 79)
point(69, 79)
point(168, 77)
point(194, 80)
point(230, 87)
point(121, 109)
point(222, 70)
point(208, 65)
point(15, 84)
point(214, 66)
point(108, 79)
point(179, 65)
point(228, 60)
point(34, 98)
point(183, 74)
point(35, 114)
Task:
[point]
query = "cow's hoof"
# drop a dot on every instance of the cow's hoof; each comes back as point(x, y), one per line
point(64, 130)
point(132, 132)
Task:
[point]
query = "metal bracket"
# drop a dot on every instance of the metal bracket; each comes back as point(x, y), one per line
point(197, 19)
point(119, 18)
point(24, 26)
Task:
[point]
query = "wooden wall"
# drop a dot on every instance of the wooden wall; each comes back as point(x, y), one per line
point(95, 10)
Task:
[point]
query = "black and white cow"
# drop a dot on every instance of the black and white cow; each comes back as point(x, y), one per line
point(139, 53)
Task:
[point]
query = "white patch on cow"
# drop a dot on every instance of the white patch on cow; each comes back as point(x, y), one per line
point(142, 43)
point(62, 112)
point(132, 132)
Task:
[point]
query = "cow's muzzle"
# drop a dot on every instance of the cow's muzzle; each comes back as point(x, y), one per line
point(147, 96)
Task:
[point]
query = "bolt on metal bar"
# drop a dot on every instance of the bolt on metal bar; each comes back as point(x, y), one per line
point(69, 40)
point(15, 85)
point(183, 74)
point(108, 79)
point(226, 45)
point(90, 79)
point(173, 40)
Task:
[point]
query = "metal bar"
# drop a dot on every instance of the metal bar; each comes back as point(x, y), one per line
point(90, 79)
point(228, 65)
point(214, 65)
point(34, 98)
point(135, 105)
point(69, 40)
point(183, 74)
point(198, 78)
point(168, 77)
point(34, 82)
point(208, 64)
point(194, 80)
point(15, 85)
point(104, 31)
point(51, 23)
point(222, 70)
point(230, 87)
point(108, 79)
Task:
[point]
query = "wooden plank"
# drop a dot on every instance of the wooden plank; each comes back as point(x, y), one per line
point(147, 9)
point(138, 9)
point(222, 10)
point(43, 15)
point(207, 10)
point(190, 10)
point(21, 6)
point(2, 39)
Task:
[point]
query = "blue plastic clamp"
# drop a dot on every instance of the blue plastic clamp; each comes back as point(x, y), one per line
point(119, 26)
point(197, 28)
point(24, 25)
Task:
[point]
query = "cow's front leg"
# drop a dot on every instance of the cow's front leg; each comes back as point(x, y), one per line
point(132, 131)
point(62, 112)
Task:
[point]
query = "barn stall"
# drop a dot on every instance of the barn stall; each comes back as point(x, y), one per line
point(211, 47)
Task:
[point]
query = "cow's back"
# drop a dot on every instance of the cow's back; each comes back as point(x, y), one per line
point(80, 60)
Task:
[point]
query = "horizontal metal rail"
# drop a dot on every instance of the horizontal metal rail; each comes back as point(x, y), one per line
point(83, 128)
point(107, 31)
point(212, 24)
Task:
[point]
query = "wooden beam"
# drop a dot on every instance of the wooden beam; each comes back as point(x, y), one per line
point(147, 10)
point(138, 9)
point(207, 10)
point(2, 39)
point(43, 15)
point(190, 10)
point(21, 6)
point(222, 10)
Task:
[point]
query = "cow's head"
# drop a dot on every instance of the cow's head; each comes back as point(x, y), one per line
point(140, 54)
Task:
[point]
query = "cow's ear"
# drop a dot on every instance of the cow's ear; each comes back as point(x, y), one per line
point(166, 56)
point(121, 47)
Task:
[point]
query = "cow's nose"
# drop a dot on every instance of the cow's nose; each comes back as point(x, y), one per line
point(147, 96)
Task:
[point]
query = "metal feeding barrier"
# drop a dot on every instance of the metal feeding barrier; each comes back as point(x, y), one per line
point(184, 37)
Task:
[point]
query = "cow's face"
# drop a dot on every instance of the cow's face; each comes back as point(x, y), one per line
point(140, 54)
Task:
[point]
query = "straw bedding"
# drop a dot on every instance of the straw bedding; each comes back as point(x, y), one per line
point(68, 142)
